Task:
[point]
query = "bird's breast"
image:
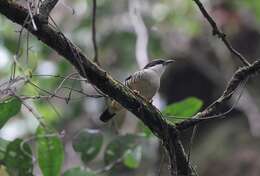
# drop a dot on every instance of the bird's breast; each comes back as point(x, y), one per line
point(147, 84)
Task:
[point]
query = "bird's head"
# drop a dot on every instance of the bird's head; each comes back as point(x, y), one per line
point(159, 62)
point(158, 65)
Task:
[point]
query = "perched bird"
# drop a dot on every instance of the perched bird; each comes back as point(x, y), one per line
point(146, 82)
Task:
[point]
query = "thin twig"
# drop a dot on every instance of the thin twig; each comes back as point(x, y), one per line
point(25, 22)
point(13, 72)
point(206, 114)
point(34, 113)
point(61, 77)
point(46, 91)
point(221, 35)
point(37, 97)
point(8, 88)
point(69, 77)
point(94, 32)
point(31, 16)
point(27, 48)
point(68, 98)
point(63, 81)
point(83, 93)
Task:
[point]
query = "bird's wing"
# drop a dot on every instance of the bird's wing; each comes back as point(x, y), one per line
point(132, 78)
point(128, 78)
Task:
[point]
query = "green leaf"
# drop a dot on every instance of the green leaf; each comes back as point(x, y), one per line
point(50, 152)
point(132, 158)
point(183, 109)
point(88, 143)
point(77, 171)
point(3, 147)
point(117, 147)
point(18, 158)
point(8, 109)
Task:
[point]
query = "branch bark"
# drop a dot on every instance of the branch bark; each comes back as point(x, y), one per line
point(144, 110)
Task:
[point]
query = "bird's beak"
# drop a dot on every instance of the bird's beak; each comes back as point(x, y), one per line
point(169, 61)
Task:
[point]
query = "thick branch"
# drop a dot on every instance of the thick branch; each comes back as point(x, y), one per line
point(98, 77)
point(240, 75)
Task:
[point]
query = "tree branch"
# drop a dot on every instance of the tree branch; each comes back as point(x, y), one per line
point(94, 41)
point(221, 35)
point(240, 75)
point(144, 110)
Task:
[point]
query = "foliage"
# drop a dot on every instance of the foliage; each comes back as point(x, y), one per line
point(132, 157)
point(8, 109)
point(50, 152)
point(118, 147)
point(88, 143)
point(182, 110)
point(3, 147)
point(178, 112)
point(18, 158)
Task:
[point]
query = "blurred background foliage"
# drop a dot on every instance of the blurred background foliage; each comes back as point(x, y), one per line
point(177, 30)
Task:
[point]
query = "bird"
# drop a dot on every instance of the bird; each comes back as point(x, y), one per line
point(145, 82)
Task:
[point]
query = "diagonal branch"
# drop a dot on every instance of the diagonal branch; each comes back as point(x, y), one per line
point(221, 35)
point(240, 75)
point(144, 110)
point(94, 40)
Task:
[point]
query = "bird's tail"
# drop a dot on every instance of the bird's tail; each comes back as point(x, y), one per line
point(106, 115)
